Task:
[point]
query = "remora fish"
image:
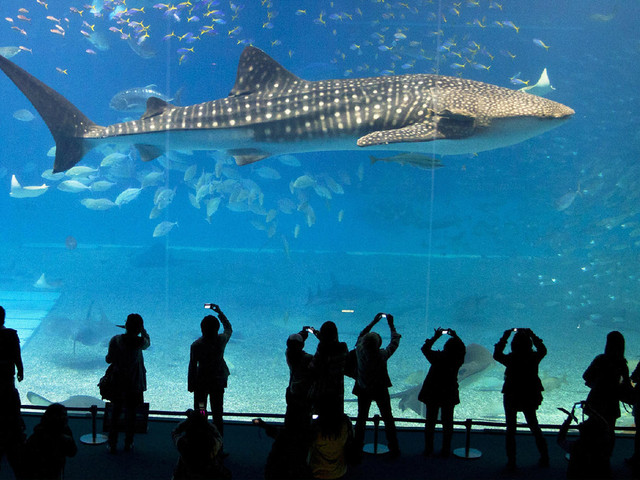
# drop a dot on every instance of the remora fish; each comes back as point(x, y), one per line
point(270, 111)
point(135, 99)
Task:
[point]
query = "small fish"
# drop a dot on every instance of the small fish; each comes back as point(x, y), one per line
point(80, 171)
point(540, 43)
point(304, 181)
point(135, 99)
point(268, 173)
point(101, 186)
point(509, 23)
point(23, 115)
point(163, 228)
point(190, 172)
point(99, 204)
point(73, 186)
point(566, 200)
point(127, 196)
point(414, 159)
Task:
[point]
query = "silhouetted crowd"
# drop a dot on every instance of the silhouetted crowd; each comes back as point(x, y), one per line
point(317, 439)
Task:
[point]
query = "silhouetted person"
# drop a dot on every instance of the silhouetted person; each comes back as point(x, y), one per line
point(10, 358)
point(49, 445)
point(125, 354)
point(200, 446)
point(327, 366)
point(373, 382)
point(588, 453)
point(11, 425)
point(208, 372)
point(634, 461)
point(522, 389)
point(298, 414)
point(607, 375)
point(288, 456)
point(331, 444)
point(440, 391)
point(12, 436)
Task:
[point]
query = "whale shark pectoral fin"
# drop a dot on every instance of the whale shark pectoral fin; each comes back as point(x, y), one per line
point(244, 156)
point(448, 126)
point(418, 132)
point(148, 152)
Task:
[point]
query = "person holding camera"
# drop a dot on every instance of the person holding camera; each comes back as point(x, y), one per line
point(298, 414)
point(130, 377)
point(208, 371)
point(327, 370)
point(440, 391)
point(522, 389)
point(373, 382)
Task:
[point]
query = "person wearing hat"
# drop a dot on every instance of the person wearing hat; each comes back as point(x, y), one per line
point(125, 354)
point(208, 372)
point(373, 382)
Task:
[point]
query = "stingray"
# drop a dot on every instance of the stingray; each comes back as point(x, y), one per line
point(476, 359)
point(93, 332)
point(86, 331)
point(74, 401)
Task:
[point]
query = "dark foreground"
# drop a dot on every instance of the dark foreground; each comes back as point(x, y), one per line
point(154, 456)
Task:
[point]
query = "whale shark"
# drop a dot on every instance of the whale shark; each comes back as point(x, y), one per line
point(271, 111)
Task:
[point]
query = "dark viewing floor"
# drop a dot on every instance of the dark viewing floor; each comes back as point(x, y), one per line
point(154, 456)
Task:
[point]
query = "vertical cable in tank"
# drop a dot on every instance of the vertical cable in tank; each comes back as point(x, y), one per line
point(167, 166)
point(433, 177)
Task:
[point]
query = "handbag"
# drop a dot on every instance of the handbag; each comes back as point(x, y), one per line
point(351, 364)
point(107, 384)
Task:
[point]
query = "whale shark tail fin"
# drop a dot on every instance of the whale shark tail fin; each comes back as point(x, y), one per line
point(68, 125)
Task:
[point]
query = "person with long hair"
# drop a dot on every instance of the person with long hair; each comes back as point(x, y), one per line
point(327, 370)
point(522, 389)
point(608, 376)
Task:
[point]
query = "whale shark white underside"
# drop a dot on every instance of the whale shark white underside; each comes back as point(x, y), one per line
point(270, 111)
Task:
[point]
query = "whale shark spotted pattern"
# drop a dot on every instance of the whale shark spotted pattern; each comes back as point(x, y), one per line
point(271, 111)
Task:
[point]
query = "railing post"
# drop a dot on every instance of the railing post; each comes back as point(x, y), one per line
point(467, 452)
point(375, 448)
point(93, 438)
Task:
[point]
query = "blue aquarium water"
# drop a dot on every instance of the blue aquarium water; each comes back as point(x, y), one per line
point(544, 233)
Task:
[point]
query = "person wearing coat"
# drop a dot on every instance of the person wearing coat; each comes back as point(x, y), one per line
point(130, 377)
point(440, 391)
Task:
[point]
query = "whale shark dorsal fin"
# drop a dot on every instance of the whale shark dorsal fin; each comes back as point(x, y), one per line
point(258, 72)
point(155, 106)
